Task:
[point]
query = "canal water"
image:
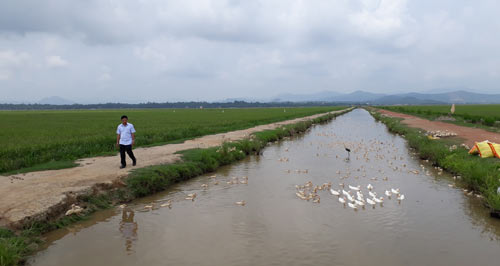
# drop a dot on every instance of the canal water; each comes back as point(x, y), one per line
point(436, 224)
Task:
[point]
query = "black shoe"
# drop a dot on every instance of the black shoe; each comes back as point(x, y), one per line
point(123, 166)
point(134, 163)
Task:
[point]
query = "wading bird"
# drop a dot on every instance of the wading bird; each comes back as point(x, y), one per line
point(348, 152)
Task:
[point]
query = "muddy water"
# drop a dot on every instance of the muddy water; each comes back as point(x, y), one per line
point(436, 223)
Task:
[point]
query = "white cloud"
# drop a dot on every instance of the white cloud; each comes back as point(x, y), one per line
point(105, 77)
point(214, 49)
point(55, 61)
point(5, 74)
point(13, 58)
point(380, 17)
point(10, 61)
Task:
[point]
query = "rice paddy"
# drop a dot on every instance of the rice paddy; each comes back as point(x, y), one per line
point(54, 139)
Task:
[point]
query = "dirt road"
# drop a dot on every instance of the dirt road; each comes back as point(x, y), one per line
point(38, 195)
point(468, 134)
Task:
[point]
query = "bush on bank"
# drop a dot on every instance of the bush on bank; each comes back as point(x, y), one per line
point(14, 247)
point(478, 174)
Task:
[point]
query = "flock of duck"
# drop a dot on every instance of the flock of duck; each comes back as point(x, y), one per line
point(353, 197)
point(192, 196)
point(349, 195)
point(367, 154)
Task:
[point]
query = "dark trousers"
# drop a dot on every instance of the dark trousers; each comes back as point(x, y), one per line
point(128, 149)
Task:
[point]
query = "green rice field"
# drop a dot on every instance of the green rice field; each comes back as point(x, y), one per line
point(36, 140)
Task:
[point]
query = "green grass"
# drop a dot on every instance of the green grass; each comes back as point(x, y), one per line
point(469, 115)
point(480, 175)
point(52, 165)
point(145, 181)
point(51, 139)
point(12, 247)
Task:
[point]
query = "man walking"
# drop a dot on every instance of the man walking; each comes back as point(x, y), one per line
point(125, 138)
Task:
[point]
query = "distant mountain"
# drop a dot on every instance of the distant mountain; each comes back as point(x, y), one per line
point(55, 100)
point(358, 96)
point(406, 100)
point(458, 97)
point(316, 97)
point(463, 97)
point(444, 90)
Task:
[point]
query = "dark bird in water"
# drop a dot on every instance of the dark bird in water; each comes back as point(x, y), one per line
point(348, 152)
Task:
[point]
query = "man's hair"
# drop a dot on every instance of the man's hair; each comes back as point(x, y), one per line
point(124, 116)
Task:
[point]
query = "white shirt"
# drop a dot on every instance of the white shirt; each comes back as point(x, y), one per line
point(125, 133)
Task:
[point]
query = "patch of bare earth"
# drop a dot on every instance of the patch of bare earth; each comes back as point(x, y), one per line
point(39, 196)
point(468, 134)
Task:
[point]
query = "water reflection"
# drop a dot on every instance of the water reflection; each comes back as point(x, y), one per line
point(128, 228)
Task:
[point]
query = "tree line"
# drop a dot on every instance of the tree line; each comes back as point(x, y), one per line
point(177, 105)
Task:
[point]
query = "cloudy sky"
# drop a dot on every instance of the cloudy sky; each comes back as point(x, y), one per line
point(159, 50)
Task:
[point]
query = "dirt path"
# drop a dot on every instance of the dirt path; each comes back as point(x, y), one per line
point(469, 134)
point(37, 195)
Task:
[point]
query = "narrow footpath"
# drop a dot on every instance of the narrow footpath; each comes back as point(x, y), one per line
point(38, 195)
point(468, 134)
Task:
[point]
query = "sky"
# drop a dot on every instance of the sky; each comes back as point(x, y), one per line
point(134, 51)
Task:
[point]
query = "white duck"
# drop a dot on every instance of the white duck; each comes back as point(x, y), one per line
point(401, 197)
point(369, 187)
point(167, 204)
point(395, 191)
point(371, 202)
point(334, 192)
point(372, 194)
point(388, 194)
point(349, 197)
point(301, 196)
point(352, 206)
point(359, 195)
point(378, 200)
point(342, 200)
point(354, 188)
point(359, 203)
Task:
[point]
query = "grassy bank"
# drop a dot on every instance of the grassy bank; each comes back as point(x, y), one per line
point(149, 180)
point(480, 175)
point(38, 140)
point(483, 116)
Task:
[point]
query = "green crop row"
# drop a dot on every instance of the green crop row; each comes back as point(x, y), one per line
point(54, 139)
